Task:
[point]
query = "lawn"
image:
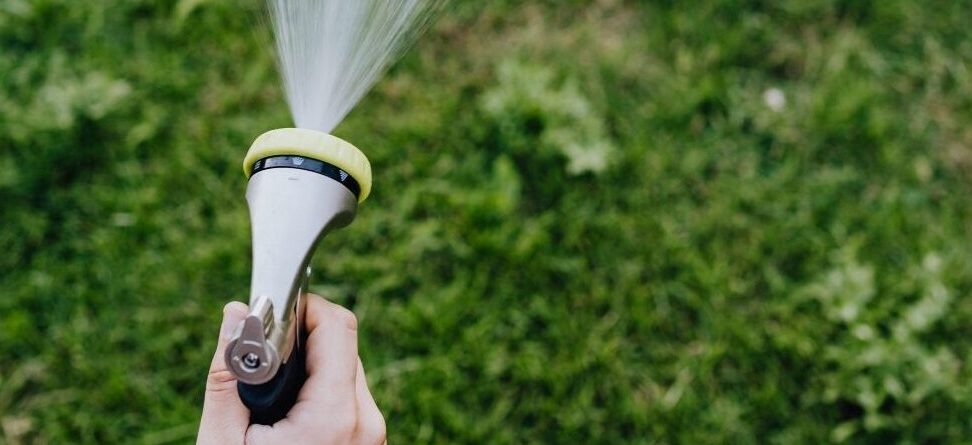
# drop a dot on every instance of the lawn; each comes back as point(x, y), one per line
point(592, 222)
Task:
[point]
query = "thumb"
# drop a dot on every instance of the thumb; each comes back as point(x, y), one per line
point(224, 418)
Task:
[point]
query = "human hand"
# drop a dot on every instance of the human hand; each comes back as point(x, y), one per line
point(334, 406)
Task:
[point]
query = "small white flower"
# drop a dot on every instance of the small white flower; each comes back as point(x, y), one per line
point(774, 99)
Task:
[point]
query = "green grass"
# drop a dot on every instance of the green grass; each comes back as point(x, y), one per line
point(587, 225)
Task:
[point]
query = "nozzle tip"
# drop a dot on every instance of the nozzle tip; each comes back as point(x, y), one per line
point(315, 145)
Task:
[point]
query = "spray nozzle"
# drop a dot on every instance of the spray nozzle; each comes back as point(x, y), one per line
point(302, 184)
point(310, 150)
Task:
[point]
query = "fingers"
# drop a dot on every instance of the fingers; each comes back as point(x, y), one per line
point(224, 418)
point(332, 352)
point(334, 406)
point(329, 395)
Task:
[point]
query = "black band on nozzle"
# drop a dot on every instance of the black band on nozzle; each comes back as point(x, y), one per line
point(309, 164)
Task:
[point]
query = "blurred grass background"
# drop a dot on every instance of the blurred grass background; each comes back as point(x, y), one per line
point(604, 221)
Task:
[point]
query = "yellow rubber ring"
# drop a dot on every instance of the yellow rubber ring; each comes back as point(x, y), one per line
point(316, 145)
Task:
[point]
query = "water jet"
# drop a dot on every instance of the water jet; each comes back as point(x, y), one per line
point(304, 182)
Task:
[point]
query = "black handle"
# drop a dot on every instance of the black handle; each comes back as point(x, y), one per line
point(270, 402)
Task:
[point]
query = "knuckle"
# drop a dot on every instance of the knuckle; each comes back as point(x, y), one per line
point(343, 427)
point(220, 381)
point(377, 430)
point(345, 317)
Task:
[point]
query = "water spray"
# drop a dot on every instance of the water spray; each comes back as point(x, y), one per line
point(304, 182)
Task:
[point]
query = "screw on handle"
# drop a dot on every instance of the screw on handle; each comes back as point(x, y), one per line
point(271, 401)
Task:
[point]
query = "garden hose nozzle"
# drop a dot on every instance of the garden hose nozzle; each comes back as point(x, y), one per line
point(302, 184)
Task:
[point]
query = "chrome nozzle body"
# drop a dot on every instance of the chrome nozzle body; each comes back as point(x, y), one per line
point(290, 211)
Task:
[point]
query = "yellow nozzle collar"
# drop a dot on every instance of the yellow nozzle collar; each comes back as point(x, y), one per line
point(314, 145)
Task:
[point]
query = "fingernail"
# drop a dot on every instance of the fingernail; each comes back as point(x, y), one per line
point(226, 330)
point(233, 312)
